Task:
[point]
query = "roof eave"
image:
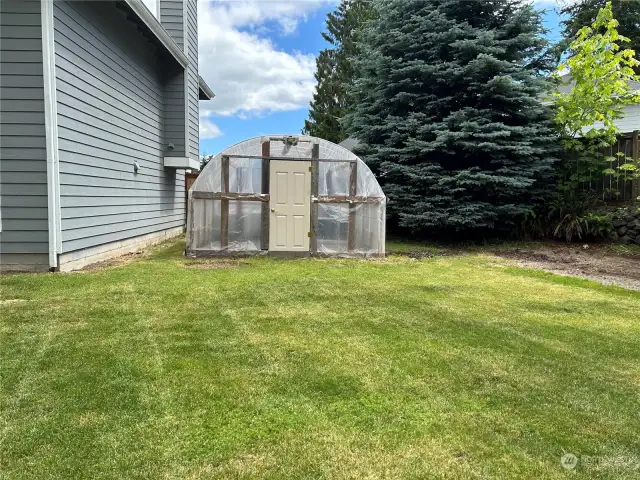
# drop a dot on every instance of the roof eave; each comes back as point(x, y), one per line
point(152, 23)
point(205, 92)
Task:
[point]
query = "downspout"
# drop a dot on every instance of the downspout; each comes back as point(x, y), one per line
point(51, 133)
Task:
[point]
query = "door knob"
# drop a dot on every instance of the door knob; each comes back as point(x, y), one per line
point(273, 210)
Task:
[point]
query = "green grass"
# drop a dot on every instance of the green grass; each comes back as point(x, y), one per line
point(400, 246)
point(449, 367)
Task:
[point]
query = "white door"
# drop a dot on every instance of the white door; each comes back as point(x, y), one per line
point(290, 190)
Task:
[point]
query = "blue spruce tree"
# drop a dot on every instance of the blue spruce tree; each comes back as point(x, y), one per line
point(446, 105)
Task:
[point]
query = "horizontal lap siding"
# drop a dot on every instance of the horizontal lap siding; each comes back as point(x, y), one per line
point(23, 161)
point(110, 96)
point(630, 121)
point(175, 126)
point(193, 91)
point(174, 110)
point(171, 18)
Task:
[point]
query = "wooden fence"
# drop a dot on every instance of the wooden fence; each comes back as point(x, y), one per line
point(616, 189)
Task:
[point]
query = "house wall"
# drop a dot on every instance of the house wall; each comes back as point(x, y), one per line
point(24, 242)
point(180, 19)
point(630, 121)
point(192, 75)
point(174, 115)
point(110, 108)
point(171, 17)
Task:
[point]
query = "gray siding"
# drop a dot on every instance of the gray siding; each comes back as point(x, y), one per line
point(24, 239)
point(171, 18)
point(193, 88)
point(180, 19)
point(629, 122)
point(174, 114)
point(110, 98)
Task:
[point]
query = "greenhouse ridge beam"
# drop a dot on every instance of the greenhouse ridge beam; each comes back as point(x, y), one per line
point(347, 199)
point(293, 159)
point(265, 197)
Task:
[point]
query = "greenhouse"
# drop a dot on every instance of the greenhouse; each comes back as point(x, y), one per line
point(289, 195)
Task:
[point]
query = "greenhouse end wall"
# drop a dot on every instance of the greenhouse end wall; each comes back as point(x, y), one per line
point(231, 209)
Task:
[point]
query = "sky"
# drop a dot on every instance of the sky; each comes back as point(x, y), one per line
point(258, 56)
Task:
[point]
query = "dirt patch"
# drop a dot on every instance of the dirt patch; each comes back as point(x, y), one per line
point(213, 264)
point(597, 262)
point(590, 263)
point(117, 261)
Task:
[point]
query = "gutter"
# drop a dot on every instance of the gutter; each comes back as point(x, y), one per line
point(51, 133)
point(205, 92)
point(152, 23)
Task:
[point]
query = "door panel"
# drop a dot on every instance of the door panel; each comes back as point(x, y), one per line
point(282, 179)
point(290, 203)
point(300, 231)
point(299, 188)
point(280, 231)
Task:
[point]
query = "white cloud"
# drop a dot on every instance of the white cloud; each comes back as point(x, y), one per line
point(554, 3)
point(152, 5)
point(249, 74)
point(208, 129)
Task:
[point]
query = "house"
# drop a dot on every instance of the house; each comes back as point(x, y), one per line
point(99, 120)
point(630, 120)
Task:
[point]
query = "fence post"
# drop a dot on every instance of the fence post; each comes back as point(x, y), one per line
point(315, 165)
point(264, 214)
point(635, 184)
point(353, 183)
point(224, 206)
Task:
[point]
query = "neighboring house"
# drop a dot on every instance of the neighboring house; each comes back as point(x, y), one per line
point(612, 187)
point(628, 123)
point(99, 120)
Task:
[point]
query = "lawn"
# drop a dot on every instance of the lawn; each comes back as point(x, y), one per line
point(444, 367)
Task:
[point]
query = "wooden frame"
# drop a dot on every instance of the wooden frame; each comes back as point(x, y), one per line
point(315, 177)
point(224, 206)
point(353, 185)
point(348, 199)
point(222, 253)
point(264, 214)
point(245, 197)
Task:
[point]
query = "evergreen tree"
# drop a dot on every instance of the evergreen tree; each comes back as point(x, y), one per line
point(334, 70)
point(448, 112)
point(584, 13)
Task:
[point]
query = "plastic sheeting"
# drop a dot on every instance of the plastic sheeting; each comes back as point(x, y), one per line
point(245, 176)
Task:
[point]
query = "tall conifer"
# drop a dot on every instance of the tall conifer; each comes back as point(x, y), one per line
point(448, 112)
point(334, 70)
